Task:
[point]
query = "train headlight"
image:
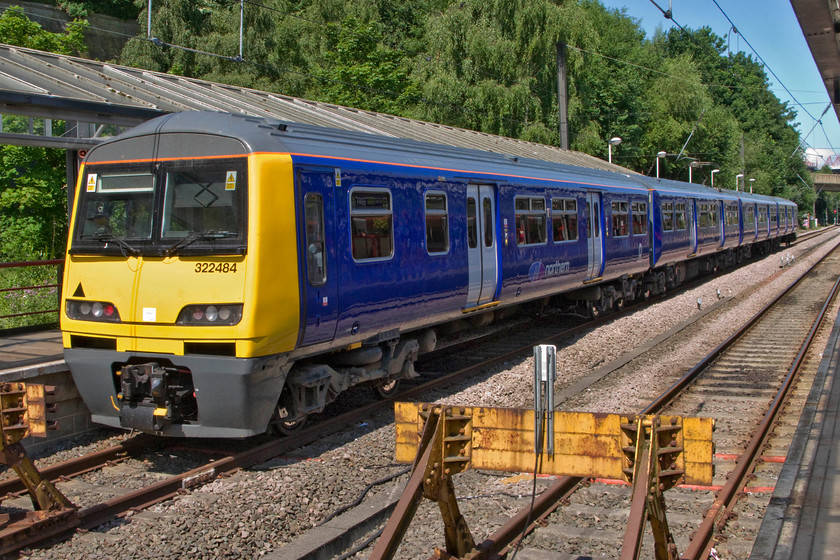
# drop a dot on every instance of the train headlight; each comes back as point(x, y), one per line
point(211, 314)
point(92, 311)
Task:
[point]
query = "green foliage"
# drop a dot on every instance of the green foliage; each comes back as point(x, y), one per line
point(33, 203)
point(34, 297)
point(33, 199)
point(17, 29)
point(491, 65)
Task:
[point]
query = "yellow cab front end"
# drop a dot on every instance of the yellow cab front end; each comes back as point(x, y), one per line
point(181, 285)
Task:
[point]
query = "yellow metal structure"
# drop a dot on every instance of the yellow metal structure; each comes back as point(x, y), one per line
point(585, 444)
point(654, 453)
point(23, 412)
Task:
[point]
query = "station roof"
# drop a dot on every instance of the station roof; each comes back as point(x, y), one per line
point(50, 86)
point(820, 23)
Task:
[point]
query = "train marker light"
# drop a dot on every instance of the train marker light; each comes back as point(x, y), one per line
point(92, 311)
point(210, 314)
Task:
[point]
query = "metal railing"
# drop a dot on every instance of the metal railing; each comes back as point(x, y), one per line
point(35, 301)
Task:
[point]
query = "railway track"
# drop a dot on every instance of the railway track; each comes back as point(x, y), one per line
point(743, 384)
point(226, 461)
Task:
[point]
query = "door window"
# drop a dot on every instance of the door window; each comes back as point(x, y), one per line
point(316, 269)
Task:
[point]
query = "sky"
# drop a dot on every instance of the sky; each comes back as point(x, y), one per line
point(772, 29)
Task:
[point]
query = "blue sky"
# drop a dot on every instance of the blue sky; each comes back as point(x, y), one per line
point(772, 29)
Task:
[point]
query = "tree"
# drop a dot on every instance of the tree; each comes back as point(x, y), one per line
point(33, 210)
point(17, 29)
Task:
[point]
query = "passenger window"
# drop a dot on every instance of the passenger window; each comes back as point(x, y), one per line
point(667, 216)
point(639, 218)
point(619, 219)
point(564, 219)
point(316, 270)
point(730, 216)
point(371, 224)
point(749, 217)
point(530, 220)
point(437, 223)
point(472, 223)
point(680, 216)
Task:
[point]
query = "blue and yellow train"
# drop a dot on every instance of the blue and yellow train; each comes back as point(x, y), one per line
point(228, 274)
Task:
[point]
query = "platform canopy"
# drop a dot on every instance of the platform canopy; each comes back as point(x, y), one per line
point(103, 97)
point(820, 23)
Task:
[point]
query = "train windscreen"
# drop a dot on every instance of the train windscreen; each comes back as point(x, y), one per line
point(187, 207)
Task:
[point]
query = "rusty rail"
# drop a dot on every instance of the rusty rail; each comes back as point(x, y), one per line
point(720, 511)
point(508, 536)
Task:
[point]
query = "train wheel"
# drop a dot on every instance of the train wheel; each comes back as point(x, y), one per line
point(386, 388)
point(283, 427)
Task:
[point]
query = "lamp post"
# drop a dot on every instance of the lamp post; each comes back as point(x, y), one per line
point(691, 166)
point(738, 176)
point(659, 155)
point(713, 176)
point(751, 185)
point(614, 141)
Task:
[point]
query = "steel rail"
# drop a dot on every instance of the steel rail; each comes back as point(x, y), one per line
point(499, 544)
point(492, 547)
point(669, 394)
point(80, 465)
point(721, 509)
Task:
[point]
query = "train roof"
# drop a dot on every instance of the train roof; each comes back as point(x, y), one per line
point(246, 134)
point(236, 134)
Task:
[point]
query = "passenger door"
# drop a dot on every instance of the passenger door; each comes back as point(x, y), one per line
point(318, 263)
point(481, 244)
point(594, 235)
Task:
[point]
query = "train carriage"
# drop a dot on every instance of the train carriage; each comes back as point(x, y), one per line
point(227, 274)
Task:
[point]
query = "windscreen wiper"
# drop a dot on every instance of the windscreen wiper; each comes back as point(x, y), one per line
point(196, 236)
point(108, 237)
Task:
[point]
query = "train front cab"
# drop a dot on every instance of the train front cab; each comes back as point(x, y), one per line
point(158, 332)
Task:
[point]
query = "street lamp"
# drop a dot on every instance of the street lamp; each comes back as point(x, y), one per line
point(691, 166)
point(713, 176)
point(738, 176)
point(751, 185)
point(614, 141)
point(659, 155)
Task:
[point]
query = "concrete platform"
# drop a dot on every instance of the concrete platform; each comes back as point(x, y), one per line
point(21, 350)
point(38, 357)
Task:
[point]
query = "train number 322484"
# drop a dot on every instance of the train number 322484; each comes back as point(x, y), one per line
point(215, 267)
